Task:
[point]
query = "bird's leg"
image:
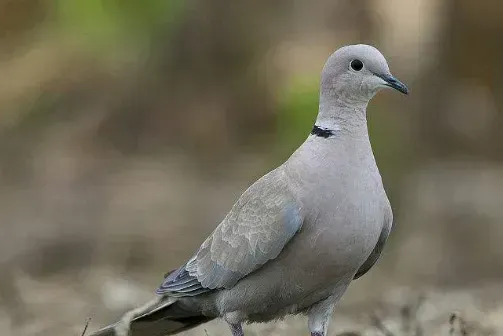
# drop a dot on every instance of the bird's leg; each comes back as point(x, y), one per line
point(236, 329)
point(122, 327)
point(319, 315)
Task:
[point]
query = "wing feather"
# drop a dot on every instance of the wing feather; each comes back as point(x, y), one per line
point(256, 230)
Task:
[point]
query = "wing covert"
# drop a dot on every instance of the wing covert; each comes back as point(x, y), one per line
point(259, 225)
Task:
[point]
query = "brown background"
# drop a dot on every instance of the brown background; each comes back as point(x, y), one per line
point(127, 130)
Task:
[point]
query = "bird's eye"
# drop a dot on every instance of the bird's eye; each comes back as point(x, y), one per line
point(356, 65)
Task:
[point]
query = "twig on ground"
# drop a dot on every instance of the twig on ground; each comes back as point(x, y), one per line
point(379, 325)
point(85, 327)
point(410, 319)
point(460, 326)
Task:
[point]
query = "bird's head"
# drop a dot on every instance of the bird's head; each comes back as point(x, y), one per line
point(355, 73)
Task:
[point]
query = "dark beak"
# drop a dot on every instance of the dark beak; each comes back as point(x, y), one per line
point(394, 83)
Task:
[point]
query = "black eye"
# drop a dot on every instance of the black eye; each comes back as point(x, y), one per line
point(356, 65)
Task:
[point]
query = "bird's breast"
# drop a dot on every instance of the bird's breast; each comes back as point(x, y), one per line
point(344, 226)
point(344, 204)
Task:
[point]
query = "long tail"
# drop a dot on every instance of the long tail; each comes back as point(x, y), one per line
point(167, 318)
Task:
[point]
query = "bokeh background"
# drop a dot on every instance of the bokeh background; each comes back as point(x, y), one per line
point(128, 128)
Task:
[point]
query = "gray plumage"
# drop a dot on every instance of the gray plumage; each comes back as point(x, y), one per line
point(298, 236)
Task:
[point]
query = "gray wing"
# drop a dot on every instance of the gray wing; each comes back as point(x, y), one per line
point(256, 229)
point(376, 252)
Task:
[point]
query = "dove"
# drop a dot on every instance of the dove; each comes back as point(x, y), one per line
point(297, 237)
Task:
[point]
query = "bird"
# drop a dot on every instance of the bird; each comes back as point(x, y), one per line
point(297, 237)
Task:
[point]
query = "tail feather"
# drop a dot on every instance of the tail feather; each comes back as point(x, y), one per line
point(168, 318)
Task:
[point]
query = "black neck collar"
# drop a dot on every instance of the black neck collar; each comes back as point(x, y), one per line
point(322, 132)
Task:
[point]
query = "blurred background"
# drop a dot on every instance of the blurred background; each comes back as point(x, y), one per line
point(128, 128)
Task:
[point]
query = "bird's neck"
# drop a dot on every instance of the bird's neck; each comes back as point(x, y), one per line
point(343, 118)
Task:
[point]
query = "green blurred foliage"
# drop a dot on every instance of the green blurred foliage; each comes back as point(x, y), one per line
point(106, 23)
point(297, 108)
point(106, 29)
